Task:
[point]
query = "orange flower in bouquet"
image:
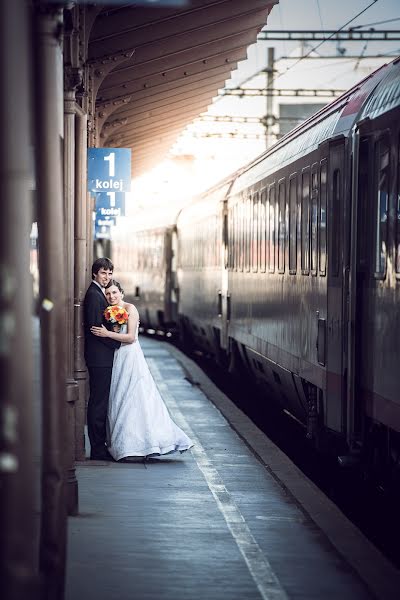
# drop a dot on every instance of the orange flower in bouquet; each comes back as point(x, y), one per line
point(116, 315)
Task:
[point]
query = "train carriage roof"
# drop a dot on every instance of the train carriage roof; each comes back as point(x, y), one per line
point(204, 205)
point(337, 118)
point(386, 95)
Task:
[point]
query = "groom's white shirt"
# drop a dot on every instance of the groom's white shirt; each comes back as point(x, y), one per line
point(99, 286)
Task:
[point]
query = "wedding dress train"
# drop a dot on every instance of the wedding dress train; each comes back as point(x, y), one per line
point(138, 422)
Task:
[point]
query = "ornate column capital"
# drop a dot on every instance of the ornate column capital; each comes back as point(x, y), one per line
point(98, 70)
point(73, 78)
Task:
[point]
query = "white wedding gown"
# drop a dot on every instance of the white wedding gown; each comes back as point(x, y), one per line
point(138, 422)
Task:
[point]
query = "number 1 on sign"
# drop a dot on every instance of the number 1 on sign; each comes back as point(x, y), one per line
point(111, 166)
point(111, 195)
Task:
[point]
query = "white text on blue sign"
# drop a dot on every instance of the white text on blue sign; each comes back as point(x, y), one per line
point(109, 184)
point(109, 212)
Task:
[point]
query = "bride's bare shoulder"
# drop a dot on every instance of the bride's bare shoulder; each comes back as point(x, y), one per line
point(131, 308)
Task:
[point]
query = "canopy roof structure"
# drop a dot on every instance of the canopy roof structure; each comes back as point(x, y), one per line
point(154, 69)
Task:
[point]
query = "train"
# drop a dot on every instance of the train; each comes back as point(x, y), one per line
point(288, 271)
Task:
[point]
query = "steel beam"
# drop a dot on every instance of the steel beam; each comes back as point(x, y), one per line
point(284, 93)
point(331, 35)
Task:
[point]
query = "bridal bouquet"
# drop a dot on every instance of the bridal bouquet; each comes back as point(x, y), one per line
point(116, 315)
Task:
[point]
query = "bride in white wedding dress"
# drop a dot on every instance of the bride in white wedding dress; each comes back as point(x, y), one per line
point(138, 422)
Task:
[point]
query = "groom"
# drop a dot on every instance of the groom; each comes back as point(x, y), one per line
point(99, 356)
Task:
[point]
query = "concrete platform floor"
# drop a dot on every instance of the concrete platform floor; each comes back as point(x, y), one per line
point(231, 519)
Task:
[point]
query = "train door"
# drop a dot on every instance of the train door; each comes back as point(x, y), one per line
point(224, 297)
point(361, 181)
point(337, 275)
point(371, 213)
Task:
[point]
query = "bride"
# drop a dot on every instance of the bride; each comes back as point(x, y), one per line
point(138, 422)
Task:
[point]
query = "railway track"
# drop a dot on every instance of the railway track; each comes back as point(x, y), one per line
point(366, 504)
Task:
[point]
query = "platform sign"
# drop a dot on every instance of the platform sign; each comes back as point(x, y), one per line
point(102, 232)
point(102, 227)
point(110, 204)
point(109, 170)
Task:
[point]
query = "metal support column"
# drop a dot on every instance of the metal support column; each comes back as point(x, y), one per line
point(81, 277)
point(71, 78)
point(270, 100)
point(19, 476)
point(52, 269)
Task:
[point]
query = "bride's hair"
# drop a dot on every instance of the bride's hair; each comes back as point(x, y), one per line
point(116, 283)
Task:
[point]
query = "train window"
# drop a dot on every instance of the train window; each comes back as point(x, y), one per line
point(208, 245)
point(234, 236)
point(241, 232)
point(237, 238)
point(398, 214)
point(247, 231)
point(281, 226)
point(305, 222)
point(218, 241)
point(201, 246)
point(382, 202)
point(229, 238)
point(243, 225)
point(215, 223)
point(271, 239)
point(314, 218)
point(322, 217)
point(248, 218)
point(262, 229)
point(254, 245)
point(293, 224)
point(196, 250)
point(267, 229)
point(336, 209)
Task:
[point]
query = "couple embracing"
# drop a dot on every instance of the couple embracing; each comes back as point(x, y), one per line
point(126, 415)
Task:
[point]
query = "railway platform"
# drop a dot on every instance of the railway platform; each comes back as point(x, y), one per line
point(232, 518)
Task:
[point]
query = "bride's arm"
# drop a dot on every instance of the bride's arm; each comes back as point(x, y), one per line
point(126, 338)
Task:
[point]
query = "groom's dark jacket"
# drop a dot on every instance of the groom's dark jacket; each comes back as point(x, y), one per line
point(99, 351)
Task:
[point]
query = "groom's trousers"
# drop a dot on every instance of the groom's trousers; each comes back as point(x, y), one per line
point(99, 384)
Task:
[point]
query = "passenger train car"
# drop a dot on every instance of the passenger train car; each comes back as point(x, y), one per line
point(147, 273)
point(290, 270)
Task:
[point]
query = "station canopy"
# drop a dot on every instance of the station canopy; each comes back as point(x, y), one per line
point(158, 66)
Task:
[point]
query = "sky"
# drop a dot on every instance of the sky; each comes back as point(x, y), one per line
point(196, 163)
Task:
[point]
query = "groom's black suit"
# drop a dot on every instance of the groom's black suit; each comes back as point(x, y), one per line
point(99, 356)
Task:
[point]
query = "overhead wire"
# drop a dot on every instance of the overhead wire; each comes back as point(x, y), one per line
point(376, 23)
point(320, 16)
point(283, 27)
point(325, 40)
point(313, 49)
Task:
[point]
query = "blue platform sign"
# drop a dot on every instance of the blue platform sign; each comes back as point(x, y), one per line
point(102, 227)
point(109, 170)
point(110, 204)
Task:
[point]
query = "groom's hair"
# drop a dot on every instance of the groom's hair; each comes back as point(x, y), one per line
point(116, 283)
point(101, 263)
